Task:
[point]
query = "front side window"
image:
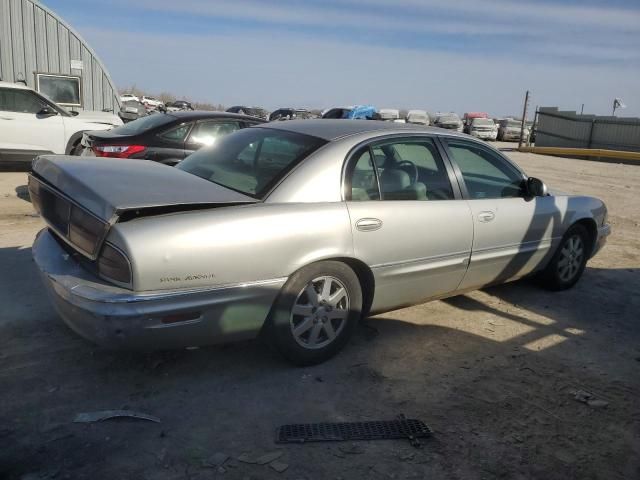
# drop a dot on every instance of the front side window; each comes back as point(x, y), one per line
point(485, 174)
point(20, 101)
point(251, 161)
point(407, 169)
point(206, 133)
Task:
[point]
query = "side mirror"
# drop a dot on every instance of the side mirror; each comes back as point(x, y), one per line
point(47, 111)
point(536, 187)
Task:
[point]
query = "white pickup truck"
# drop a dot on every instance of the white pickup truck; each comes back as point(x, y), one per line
point(31, 125)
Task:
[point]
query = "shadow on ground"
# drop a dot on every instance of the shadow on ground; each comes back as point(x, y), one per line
point(500, 401)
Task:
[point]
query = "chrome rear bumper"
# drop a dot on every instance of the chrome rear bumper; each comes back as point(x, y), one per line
point(115, 317)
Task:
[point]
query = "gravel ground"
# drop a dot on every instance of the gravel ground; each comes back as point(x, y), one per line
point(493, 372)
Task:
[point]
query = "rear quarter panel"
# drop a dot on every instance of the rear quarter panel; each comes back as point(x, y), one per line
point(231, 245)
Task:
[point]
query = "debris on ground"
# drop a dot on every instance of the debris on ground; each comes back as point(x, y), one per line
point(279, 466)
point(246, 458)
point(269, 457)
point(90, 417)
point(216, 460)
point(401, 428)
point(583, 396)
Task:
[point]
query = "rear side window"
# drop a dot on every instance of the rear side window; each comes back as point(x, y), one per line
point(364, 183)
point(406, 169)
point(177, 134)
point(485, 174)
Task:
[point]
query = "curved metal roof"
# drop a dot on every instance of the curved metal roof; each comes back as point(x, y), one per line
point(34, 39)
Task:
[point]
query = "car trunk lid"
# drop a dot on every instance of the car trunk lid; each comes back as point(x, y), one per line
point(112, 190)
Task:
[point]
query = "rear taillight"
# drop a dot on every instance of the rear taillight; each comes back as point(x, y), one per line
point(85, 230)
point(117, 151)
point(113, 265)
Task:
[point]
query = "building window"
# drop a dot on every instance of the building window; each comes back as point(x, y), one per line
point(61, 89)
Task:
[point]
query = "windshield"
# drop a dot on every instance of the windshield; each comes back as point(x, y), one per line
point(143, 124)
point(483, 122)
point(513, 123)
point(449, 118)
point(252, 160)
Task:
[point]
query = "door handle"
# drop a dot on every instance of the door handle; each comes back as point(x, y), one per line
point(368, 224)
point(487, 216)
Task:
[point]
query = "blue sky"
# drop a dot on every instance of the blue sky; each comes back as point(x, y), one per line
point(459, 55)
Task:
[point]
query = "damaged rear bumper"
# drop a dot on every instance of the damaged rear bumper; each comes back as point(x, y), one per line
point(119, 318)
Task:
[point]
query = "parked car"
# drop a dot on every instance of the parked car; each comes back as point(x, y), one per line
point(483, 128)
point(132, 110)
point(389, 114)
point(468, 118)
point(355, 112)
point(297, 230)
point(31, 125)
point(179, 105)
point(251, 111)
point(165, 137)
point(291, 114)
point(509, 130)
point(151, 103)
point(127, 97)
point(419, 117)
point(338, 112)
point(449, 121)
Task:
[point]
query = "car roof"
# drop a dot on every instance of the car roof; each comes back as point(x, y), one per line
point(200, 114)
point(330, 129)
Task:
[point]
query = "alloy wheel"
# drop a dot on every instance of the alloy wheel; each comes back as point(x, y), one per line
point(320, 312)
point(571, 257)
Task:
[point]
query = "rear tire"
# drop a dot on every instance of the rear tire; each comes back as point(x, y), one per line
point(76, 149)
point(568, 263)
point(316, 313)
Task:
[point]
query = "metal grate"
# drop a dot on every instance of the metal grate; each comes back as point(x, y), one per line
point(377, 430)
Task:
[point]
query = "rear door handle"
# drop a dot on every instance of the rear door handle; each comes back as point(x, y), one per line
point(485, 217)
point(368, 224)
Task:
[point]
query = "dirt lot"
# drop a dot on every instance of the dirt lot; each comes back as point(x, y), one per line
point(492, 372)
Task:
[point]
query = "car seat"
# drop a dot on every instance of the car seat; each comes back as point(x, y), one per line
point(396, 185)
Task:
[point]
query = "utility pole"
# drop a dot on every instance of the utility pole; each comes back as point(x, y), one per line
point(524, 116)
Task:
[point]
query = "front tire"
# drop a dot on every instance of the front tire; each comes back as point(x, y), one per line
point(569, 261)
point(316, 312)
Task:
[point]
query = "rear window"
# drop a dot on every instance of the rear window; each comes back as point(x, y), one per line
point(251, 161)
point(143, 124)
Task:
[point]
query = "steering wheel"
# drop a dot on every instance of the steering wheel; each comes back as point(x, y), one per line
point(413, 175)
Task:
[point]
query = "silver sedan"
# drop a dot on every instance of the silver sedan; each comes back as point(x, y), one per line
point(295, 230)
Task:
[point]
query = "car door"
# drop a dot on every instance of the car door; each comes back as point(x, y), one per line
point(206, 132)
point(408, 220)
point(24, 132)
point(512, 231)
point(169, 145)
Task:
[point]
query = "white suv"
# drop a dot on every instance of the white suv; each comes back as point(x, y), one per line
point(31, 125)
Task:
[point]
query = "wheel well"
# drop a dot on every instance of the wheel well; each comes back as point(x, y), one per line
point(73, 140)
point(592, 229)
point(365, 276)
